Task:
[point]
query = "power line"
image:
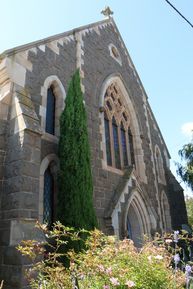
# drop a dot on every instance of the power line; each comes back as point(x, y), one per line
point(180, 13)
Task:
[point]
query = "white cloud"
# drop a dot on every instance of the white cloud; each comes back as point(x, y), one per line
point(187, 129)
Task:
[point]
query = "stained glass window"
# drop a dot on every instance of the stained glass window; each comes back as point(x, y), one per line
point(108, 142)
point(50, 112)
point(130, 137)
point(48, 197)
point(116, 144)
point(124, 146)
point(118, 137)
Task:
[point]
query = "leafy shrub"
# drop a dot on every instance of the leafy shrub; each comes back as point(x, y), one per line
point(106, 263)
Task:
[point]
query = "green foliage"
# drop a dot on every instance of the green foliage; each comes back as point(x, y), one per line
point(186, 171)
point(75, 200)
point(189, 207)
point(106, 263)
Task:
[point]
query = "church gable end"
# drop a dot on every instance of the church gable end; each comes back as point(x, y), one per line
point(133, 185)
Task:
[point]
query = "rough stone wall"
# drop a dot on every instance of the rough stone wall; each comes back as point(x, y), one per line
point(95, 72)
point(19, 202)
point(173, 190)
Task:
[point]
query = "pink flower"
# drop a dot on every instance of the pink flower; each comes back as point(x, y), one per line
point(101, 268)
point(106, 287)
point(109, 271)
point(114, 281)
point(130, 284)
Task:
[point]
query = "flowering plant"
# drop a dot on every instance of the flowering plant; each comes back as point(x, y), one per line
point(105, 263)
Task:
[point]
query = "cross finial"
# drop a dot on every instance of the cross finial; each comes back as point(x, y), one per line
point(107, 12)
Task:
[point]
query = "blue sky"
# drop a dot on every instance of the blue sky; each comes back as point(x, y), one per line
point(159, 41)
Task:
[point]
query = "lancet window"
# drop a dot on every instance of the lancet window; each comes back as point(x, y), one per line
point(48, 197)
point(118, 136)
point(159, 165)
point(50, 111)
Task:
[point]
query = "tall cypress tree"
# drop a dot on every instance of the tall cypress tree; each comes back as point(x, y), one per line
point(75, 196)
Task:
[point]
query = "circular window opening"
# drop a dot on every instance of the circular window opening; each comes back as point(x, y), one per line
point(115, 52)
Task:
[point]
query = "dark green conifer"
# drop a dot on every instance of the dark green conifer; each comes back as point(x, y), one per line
point(75, 196)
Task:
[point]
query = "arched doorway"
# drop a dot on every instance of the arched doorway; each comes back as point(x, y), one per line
point(137, 220)
point(134, 228)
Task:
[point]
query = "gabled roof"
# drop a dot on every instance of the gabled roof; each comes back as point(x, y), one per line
point(46, 40)
point(52, 38)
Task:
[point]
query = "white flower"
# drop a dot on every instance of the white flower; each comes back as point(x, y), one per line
point(130, 284)
point(176, 258)
point(158, 257)
point(176, 233)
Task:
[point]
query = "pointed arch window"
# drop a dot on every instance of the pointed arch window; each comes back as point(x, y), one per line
point(159, 165)
point(118, 136)
point(48, 201)
point(50, 111)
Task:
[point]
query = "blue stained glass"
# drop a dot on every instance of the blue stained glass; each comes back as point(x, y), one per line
point(130, 137)
point(124, 146)
point(108, 142)
point(48, 197)
point(116, 145)
point(50, 112)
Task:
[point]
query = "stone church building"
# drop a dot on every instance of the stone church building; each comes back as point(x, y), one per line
point(135, 192)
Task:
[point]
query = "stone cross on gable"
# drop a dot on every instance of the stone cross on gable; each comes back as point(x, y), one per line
point(107, 12)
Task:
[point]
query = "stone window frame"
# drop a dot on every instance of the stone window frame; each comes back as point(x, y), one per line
point(140, 167)
point(114, 53)
point(159, 165)
point(60, 96)
point(52, 160)
point(116, 113)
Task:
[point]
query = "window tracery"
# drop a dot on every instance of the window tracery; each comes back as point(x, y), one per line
point(118, 136)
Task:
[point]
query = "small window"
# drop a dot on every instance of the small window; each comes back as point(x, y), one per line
point(48, 197)
point(159, 165)
point(50, 112)
point(115, 53)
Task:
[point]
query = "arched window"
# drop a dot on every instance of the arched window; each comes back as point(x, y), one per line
point(53, 102)
point(118, 136)
point(48, 188)
point(159, 165)
point(50, 111)
point(48, 201)
point(165, 212)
